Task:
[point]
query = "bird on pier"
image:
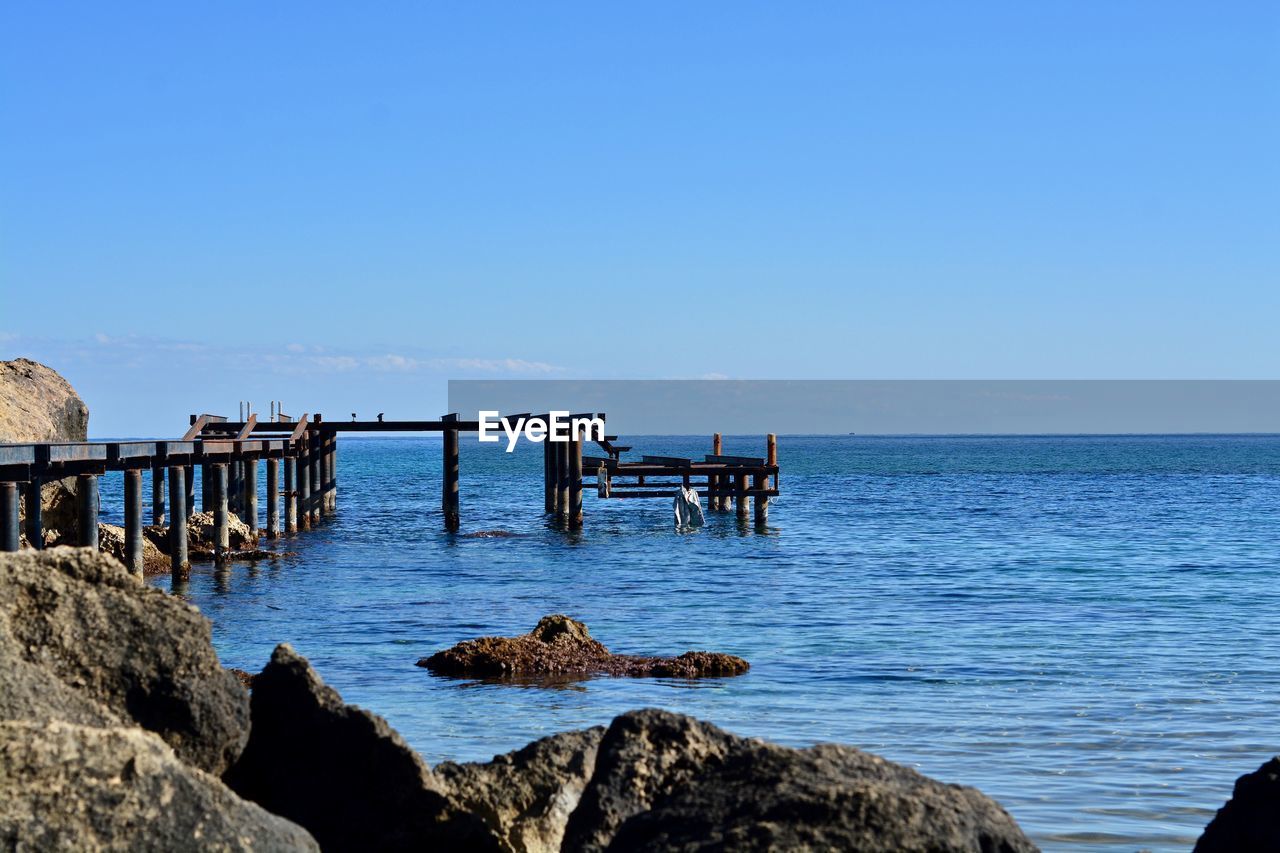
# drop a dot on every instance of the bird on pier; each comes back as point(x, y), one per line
point(353, 417)
point(379, 417)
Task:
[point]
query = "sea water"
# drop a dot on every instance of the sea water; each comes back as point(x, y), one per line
point(1085, 628)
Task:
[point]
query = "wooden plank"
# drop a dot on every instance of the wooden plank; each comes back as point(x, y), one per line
point(247, 428)
point(300, 429)
point(721, 459)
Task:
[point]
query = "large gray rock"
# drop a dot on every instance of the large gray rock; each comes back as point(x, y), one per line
point(1250, 820)
point(664, 781)
point(69, 787)
point(82, 640)
point(37, 404)
point(525, 797)
point(341, 772)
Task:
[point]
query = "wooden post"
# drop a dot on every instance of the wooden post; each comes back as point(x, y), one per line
point(178, 562)
point(449, 499)
point(760, 481)
point(740, 493)
point(290, 495)
point(221, 523)
point(249, 472)
point(273, 498)
point(35, 513)
point(9, 531)
point(133, 520)
point(157, 497)
point(715, 502)
point(87, 510)
point(575, 482)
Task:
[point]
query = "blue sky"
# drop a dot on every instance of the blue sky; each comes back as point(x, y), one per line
point(343, 205)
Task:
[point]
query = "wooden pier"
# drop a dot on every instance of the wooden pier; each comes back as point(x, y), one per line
point(229, 455)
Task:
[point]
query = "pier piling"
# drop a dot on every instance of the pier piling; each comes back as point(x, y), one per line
point(250, 495)
point(221, 523)
point(714, 501)
point(290, 495)
point(206, 487)
point(317, 482)
point(548, 491)
point(157, 496)
point(189, 482)
point(9, 531)
point(133, 520)
point(304, 492)
point(273, 498)
point(450, 498)
point(740, 495)
point(178, 561)
point(562, 483)
point(35, 513)
point(87, 510)
point(574, 448)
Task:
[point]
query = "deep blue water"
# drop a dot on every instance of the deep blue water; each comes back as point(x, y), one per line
point(1084, 628)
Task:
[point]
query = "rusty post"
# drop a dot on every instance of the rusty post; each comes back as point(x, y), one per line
point(178, 562)
point(290, 495)
point(35, 513)
point(133, 520)
point(740, 493)
point(249, 514)
point(450, 499)
point(157, 496)
point(304, 490)
point(9, 531)
point(317, 482)
point(221, 523)
point(574, 448)
point(87, 510)
point(715, 502)
point(273, 498)
point(548, 479)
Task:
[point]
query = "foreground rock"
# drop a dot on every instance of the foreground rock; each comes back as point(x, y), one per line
point(83, 641)
point(526, 797)
point(37, 404)
point(560, 646)
point(1251, 818)
point(342, 772)
point(69, 787)
point(666, 781)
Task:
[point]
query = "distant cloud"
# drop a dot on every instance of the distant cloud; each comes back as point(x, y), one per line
point(713, 376)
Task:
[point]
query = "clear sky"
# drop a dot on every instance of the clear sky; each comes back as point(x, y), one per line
point(343, 205)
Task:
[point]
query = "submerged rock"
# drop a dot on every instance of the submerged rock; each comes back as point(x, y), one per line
point(82, 640)
point(342, 772)
point(1250, 820)
point(69, 787)
point(561, 646)
point(664, 781)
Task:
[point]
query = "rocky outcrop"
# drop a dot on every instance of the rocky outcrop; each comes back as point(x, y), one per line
point(560, 646)
point(341, 772)
point(525, 797)
point(83, 641)
point(202, 534)
point(70, 787)
point(1249, 819)
point(665, 781)
point(111, 541)
point(37, 404)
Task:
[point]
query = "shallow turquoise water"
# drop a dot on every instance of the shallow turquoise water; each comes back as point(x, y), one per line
point(1084, 628)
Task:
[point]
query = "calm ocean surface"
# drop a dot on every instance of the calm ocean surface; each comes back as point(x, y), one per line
point(1084, 628)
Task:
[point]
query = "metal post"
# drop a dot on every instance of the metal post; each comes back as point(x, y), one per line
point(317, 482)
point(290, 495)
point(548, 480)
point(221, 523)
point(178, 523)
point(9, 530)
point(740, 492)
point(87, 510)
point(133, 520)
point(304, 491)
point(157, 497)
point(556, 503)
point(575, 483)
point(562, 481)
point(449, 499)
point(715, 502)
point(189, 480)
point(273, 498)
point(331, 473)
point(206, 487)
point(250, 500)
point(235, 489)
point(759, 481)
point(35, 513)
